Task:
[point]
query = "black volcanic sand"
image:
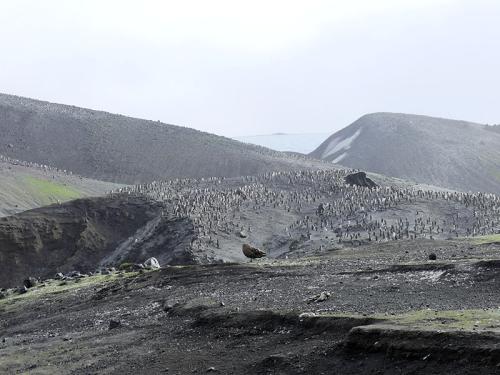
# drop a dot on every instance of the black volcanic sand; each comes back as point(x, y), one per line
point(390, 311)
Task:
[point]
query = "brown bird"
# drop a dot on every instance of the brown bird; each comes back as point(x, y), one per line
point(252, 252)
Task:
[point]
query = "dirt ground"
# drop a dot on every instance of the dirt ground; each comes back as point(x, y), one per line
point(269, 317)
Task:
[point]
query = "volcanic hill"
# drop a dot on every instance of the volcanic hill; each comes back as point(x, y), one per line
point(453, 154)
point(122, 149)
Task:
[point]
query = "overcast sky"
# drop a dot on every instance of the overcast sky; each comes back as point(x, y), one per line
point(255, 67)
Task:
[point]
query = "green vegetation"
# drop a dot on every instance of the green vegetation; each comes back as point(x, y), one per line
point(49, 191)
point(50, 288)
point(464, 320)
point(481, 240)
point(431, 320)
point(126, 266)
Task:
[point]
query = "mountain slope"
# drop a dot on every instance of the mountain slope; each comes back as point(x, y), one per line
point(453, 154)
point(25, 186)
point(122, 149)
point(302, 143)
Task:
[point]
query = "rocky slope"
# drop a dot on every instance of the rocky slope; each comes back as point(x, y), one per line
point(84, 235)
point(453, 154)
point(117, 148)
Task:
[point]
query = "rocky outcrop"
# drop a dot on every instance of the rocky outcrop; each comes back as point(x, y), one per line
point(360, 179)
point(81, 233)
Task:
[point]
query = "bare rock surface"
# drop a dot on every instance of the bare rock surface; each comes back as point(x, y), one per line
point(360, 179)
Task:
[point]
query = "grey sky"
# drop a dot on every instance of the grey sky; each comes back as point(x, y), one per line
point(256, 67)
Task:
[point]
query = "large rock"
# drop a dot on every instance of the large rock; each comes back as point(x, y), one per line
point(360, 179)
point(30, 282)
point(152, 263)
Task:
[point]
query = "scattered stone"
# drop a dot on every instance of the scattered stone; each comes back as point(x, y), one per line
point(323, 296)
point(74, 274)
point(242, 234)
point(22, 290)
point(211, 369)
point(152, 263)
point(114, 324)
point(59, 276)
point(193, 305)
point(30, 282)
point(168, 306)
point(306, 315)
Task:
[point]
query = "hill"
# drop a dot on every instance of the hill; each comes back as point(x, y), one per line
point(299, 143)
point(286, 214)
point(377, 279)
point(122, 149)
point(453, 154)
point(25, 186)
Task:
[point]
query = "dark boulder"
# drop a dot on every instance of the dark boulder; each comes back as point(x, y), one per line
point(114, 324)
point(30, 282)
point(360, 179)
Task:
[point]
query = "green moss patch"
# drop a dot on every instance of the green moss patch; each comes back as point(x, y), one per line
point(461, 320)
point(54, 287)
point(50, 191)
point(482, 240)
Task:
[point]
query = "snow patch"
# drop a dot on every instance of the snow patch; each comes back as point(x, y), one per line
point(339, 158)
point(339, 144)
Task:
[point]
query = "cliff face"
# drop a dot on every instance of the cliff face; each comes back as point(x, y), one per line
point(81, 234)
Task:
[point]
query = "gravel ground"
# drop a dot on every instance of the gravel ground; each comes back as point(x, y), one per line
point(65, 329)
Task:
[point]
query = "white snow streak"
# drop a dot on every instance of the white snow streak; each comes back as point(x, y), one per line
point(339, 144)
